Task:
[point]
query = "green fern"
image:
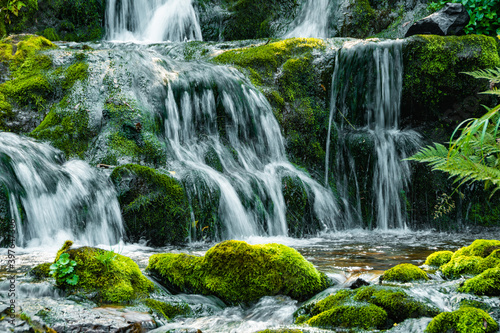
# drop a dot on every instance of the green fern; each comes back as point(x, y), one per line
point(475, 154)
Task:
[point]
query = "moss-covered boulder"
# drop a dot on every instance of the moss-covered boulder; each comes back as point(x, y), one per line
point(108, 276)
point(238, 272)
point(480, 248)
point(438, 258)
point(464, 320)
point(487, 283)
point(462, 265)
point(404, 273)
point(364, 316)
point(154, 205)
point(168, 310)
point(395, 302)
point(41, 271)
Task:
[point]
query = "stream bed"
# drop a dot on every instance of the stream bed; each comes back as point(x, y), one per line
point(344, 256)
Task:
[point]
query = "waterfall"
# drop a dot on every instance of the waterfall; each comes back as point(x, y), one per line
point(51, 200)
point(312, 21)
point(152, 20)
point(215, 109)
point(366, 97)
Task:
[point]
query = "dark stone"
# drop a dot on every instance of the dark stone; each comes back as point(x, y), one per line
point(450, 20)
point(359, 283)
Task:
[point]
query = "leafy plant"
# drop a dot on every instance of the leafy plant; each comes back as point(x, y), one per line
point(8, 7)
point(475, 154)
point(106, 258)
point(63, 270)
point(484, 15)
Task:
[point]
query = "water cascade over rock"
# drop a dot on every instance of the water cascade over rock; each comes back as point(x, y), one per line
point(371, 177)
point(312, 21)
point(152, 21)
point(51, 200)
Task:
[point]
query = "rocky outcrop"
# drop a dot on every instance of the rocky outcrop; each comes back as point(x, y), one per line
point(450, 20)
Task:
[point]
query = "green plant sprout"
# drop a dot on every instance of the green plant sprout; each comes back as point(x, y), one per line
point(63, 270)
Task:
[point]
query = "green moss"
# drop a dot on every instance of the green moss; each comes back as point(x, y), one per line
point(41, 271)
point(398, 304)
point(330, 301)
point(154, 205)
point(480, 247)
point(361, 20)
point(486, 283)
point(351, 316)
point(267, 58)
point(404, 273)
point(28, 91)
point(238, 272)
point(438, 258)
point(67, 131)
point(50, 34)
point(295, 196)
point(75, 72)
point(116, 281)
point(461, 265)
point(168, 310)
point(5, 112)
point(464, 320)
point(433, 74)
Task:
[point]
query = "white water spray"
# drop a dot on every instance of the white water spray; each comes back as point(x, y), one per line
point(312, 20)
point(152, 21)
point(52, 200)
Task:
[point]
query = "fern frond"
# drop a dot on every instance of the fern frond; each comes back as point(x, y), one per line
point(494, 91)
point(492, 74)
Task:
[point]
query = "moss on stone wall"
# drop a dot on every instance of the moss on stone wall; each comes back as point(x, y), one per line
point(154, 205)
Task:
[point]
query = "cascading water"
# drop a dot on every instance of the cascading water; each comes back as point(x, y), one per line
point(367, 83)
point(312, 20)
point(152, 20)
point(214, 109)
point(52, 200)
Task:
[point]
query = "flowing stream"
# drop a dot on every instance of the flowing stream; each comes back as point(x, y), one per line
point(312, 20)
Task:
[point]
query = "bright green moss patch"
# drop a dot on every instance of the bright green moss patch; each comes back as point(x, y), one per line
point(464, 320)
point(267, 58)
point(332, 300)
point(486, 283)
point(480, 247)
point(238, 272)
point(112, 277)
point(41, 271)
point(168, 310)
point(438, 258)
point(404, 273)
point(398, 304)
point(462, 265)
point(154, 205)
point(75, 72)
point(365, 316)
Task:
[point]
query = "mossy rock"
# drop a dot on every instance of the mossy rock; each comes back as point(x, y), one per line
point(364, 316)
point(238, 272)
point(404, 273)
point(397, 303)
point(41, 271)
point(480, 247)
point(168, 310)
point(109, 277)
point(487, 283)
point(154, 205)
point(464, 320)
point(463, 265)
point(438, 258)
point(435, 87)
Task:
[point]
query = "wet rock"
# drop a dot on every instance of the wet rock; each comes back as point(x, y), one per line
point(359, 282)
point(450, 20)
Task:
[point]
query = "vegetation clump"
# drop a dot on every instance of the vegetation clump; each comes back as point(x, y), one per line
point(117, 281)
point(365, 316)
point(464, 320)
point(404, 273)
point(154, 205)
point(487, 283)
point(168, 310)
point(480, 247)
point(438, 258)
point(238, 272)
point(41, 271)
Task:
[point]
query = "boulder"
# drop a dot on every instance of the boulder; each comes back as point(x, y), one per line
point(450, 20)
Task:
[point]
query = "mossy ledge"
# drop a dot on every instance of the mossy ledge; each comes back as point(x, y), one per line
point(464, 320)
point(486, 283)
point(109, 277)
point(237, 272)
point(404, 273)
